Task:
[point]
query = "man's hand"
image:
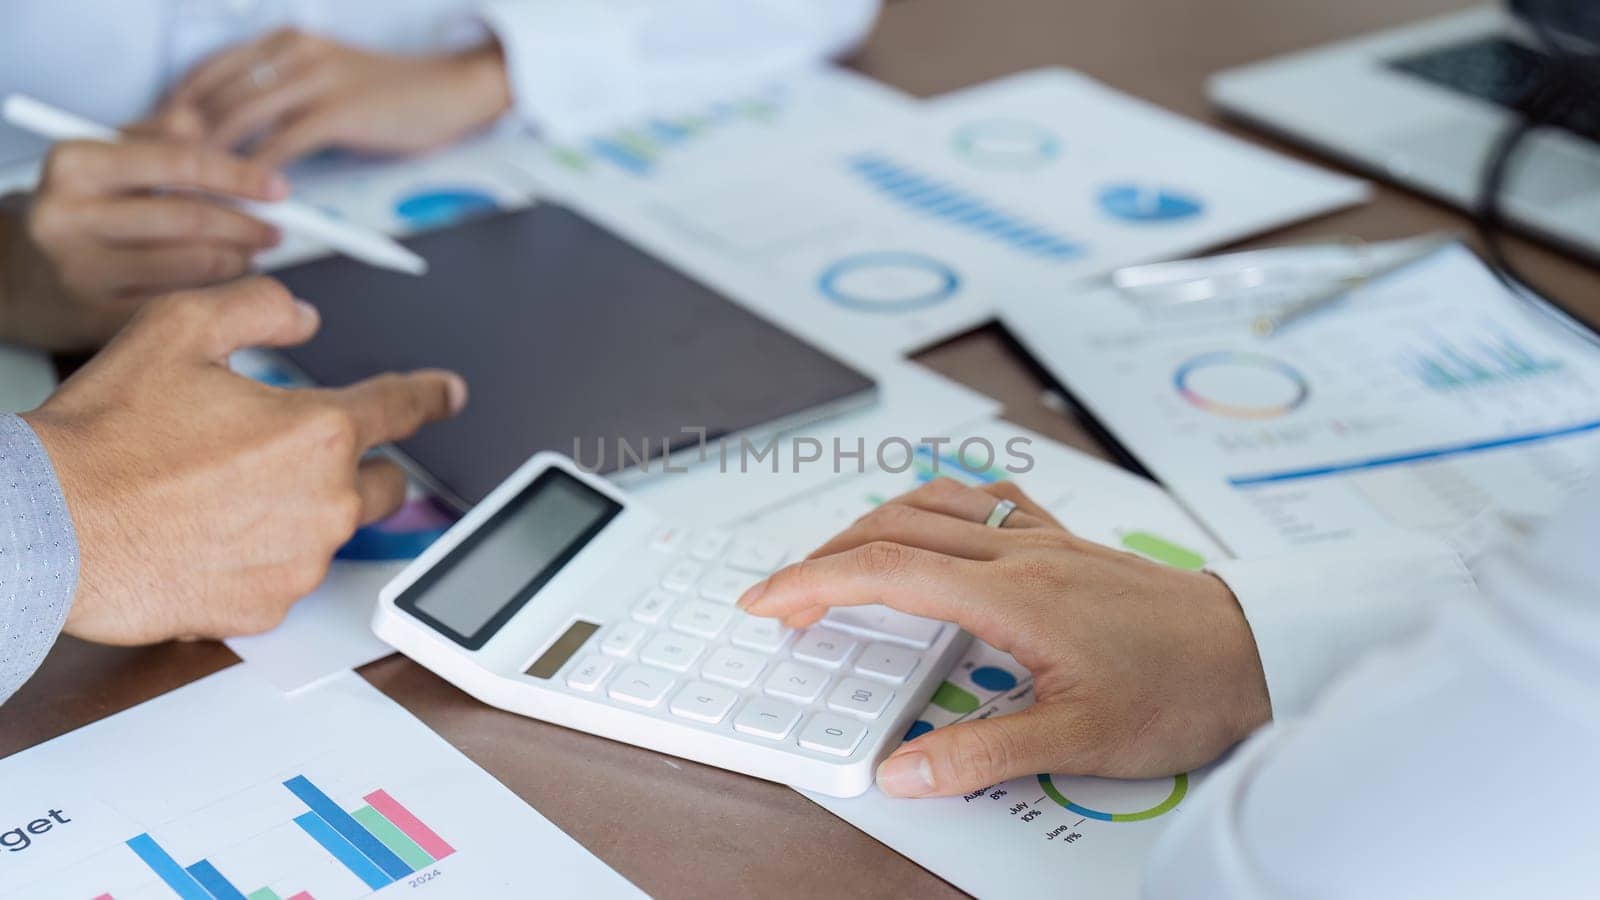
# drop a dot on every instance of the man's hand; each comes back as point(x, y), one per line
point(296, 93)
point(1139, 670)
point(205, 503)
point(111, 226)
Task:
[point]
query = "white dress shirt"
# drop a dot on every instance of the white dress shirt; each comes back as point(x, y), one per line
point(1437, 727)
point(574, 65)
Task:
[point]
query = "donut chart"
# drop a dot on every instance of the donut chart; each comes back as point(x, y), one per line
point(1241, 385)
point(1180, 787)
point(888, 282)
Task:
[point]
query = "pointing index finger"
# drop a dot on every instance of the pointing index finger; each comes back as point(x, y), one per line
point(394, 406)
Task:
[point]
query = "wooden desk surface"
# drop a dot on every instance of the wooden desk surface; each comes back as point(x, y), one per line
point(684, 830)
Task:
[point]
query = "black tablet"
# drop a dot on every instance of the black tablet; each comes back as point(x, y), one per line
point(571, 339)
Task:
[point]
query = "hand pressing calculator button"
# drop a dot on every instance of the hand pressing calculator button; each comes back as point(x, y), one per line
point(559, 597)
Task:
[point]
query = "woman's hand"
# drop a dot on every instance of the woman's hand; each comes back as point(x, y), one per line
point(296, 93)
point(1139, 669)
point(112, 225)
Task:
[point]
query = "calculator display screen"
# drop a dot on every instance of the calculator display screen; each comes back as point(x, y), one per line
point(489, 576)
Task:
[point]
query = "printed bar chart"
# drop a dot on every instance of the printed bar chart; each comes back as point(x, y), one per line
point(379, 843)
point(638, 151)
point(954, 206)
point(198, 881)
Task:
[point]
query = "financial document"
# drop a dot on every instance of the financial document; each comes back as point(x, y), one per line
point(1050, 834)
point(904, 224)
point(1419, 402)
point(225, 788)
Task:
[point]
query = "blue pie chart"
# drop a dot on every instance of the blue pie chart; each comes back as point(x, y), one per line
point(436, 207)
point(1149, 203)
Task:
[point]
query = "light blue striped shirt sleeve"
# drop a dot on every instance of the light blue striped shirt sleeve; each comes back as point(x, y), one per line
point(38, 555)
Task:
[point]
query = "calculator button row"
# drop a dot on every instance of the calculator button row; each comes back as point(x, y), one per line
point(890, 662)
point(701, 701)
point(824, 647)
point(885, 624)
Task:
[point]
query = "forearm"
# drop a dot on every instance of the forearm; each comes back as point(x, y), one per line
point(38, 555)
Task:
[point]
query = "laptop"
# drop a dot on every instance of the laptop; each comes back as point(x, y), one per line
point(571, 340)
point(1423, 105)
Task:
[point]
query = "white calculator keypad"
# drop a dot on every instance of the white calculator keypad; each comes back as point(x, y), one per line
point(682, 649)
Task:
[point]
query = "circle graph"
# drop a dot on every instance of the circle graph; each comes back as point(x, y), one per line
point(1011, 145)
point(434, 207)
point(1103, 792)
point(1149, 204)
point(888, 282)
point(1240, 385)
point(404, 535)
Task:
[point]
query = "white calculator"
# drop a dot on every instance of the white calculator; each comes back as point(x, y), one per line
point(560, 598)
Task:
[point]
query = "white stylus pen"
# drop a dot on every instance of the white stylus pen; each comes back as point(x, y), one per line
point(359, 243)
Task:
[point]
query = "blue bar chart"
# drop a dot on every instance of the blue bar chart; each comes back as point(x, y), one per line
point(379, 843)
point(958, 207)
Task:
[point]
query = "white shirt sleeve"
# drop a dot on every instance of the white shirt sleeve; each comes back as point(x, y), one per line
point(580, 66)
point(1314, 613)
point(1458, 763)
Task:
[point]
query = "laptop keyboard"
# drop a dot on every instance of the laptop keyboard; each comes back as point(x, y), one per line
point(1499, 71)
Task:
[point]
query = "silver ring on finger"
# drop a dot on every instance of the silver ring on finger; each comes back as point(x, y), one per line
point(997, 516)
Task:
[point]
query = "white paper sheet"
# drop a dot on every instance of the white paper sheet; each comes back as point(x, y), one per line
point(206, 772)
point(1420, 402)
point(913, 225)
point(1016, 839)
